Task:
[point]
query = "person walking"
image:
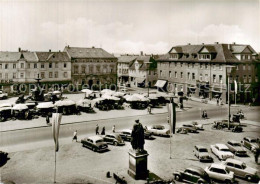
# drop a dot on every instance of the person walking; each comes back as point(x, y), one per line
point(75, 136)
point(103, 131)
point(256, 152)
point(217, 101)
point(114, 129)
point(97, 130)
point(47, 119)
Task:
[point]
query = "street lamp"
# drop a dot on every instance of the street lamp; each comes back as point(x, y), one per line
point(228, 72)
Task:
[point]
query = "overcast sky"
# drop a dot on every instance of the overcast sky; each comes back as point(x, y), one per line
point(127, 26)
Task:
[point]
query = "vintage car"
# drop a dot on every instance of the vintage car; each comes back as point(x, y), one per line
point(192, 175)
point(202, 153)
point(190, 128)
point(240, 169)
point(250, 143)
point(220, 173)
point(3, 95)
point(221, 151)
point(197, 125)
point(236, 148)
point(95, 143)
point(114, 138)
point(126, 134)
point(159, 130)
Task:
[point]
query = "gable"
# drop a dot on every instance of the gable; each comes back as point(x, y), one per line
point(173, 51)
point(246, 51)
point(204, 50)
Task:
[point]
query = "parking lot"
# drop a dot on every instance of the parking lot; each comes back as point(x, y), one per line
point(81, 165)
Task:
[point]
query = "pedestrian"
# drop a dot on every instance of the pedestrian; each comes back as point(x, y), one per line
point(103, 131)
point(75, 136)
point(217, 101)
point(47, 119)
point(256, 152)
point(97, 130)
point(114, 129)
point(149, 109)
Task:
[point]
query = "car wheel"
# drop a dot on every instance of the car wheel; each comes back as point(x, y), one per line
point(249, 178)
point(228, 182)
point(177, 177)
point(115, 143)
point(94, 149)
point(200, 182)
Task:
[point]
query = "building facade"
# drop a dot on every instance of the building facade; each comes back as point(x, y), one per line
point(143, 72)
point(123, 65)
point(92, 67)
point(201, 71)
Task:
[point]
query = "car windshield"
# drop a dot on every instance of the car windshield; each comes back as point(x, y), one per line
point(236, 144)
point(224, 149)
point(253, 140)
point(100, 140)
point(203, 150)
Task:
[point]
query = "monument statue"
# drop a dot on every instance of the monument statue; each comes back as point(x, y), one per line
point(137, 137)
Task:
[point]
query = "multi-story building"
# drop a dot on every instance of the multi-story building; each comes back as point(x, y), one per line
point(201, 71)
point(123, 64)
point(92, 66)
point(143, 71)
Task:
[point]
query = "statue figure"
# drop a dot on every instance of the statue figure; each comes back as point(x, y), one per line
point(137, 136)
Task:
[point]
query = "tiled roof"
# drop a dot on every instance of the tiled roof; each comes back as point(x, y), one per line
point(126, 59)
point(53, 56)
point(15, 56)
point(220, 52)
point(141, 60)
point(80, 52)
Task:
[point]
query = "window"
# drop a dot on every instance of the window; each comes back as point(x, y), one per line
point(201, 78)
point(181, 64)
point(90, 69)
point(206, 77)
point(22, 65)
point(230, 164)
point(175, 64)
point(220, 79)
point(160, 72)
point(193, 76)
point(50, 75)
point(188, 75)
point(0, 66)
point(56, 74)
point(29, 66)
point(35, 65)
point(1, 76)
point(119, 71)
point(111, 70)
point(214, 66)
point(181, 75)
point(14, 75)
point(206, 66)
point(83, 69)
point(50, 65)
point(201, 65)
point(188, 65)
point(65, 65)
point(245, 79)
point(98, 69)
point(170, 74)
point(22, 75)
point(42, 65)
point(174, 56)
point(249, 79)
point(76, 69)
point(175, 74)
point(238, 166)
point(14, 65)
point(6, 66)
point(214, 78)
point(42, 75)
point(244, 67)
point(65, 74)
point(237, 67)
point(204, 56)
point(220, 66)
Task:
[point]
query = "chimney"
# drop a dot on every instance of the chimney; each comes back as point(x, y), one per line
point(19, 49)
point(188, 43)
point(93, 47)
point(141, 53)
point(216, 42)
point(234, 43)
point(49, 50)
point(202, 43)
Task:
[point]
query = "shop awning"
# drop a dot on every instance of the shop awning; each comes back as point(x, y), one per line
point(160, 83)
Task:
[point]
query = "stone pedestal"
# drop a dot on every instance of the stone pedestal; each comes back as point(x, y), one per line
point(138, 164)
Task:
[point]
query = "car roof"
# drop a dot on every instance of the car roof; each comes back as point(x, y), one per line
point(157, 126)
point(233, 141)
point(200, 146)
point(221, 146)
point(197, 169)
point(234, 161)
point(220, 166)
point(250, 137)
point(126, 130)
point(95, 137)
point(114, 134)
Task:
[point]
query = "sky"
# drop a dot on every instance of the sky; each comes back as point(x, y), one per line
point(127, 26)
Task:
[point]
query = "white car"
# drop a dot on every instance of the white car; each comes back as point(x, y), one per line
point(240, 169)
point(197, 125)
point(221, 151)
point(220, 173)
point(3, 95)
point(159, 130)
point(202, 153)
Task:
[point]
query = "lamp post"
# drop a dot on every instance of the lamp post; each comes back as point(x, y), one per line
point(228, 71)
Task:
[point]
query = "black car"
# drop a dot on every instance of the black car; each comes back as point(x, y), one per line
point(95, 143)
point(114, 138)
point(192, 175)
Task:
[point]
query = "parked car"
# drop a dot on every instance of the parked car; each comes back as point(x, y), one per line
point(240, 169)
point(197, 125)
point(202, 153)
point(220, 173)
point(190, 128)
point(3, 95)
point(192, 175)
point(236, 148)
point(159, 130)
point(114, 138)
point(95, 143)
point(182, 130)
point(250, 143)
point(221, 151)
point(126, 134)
